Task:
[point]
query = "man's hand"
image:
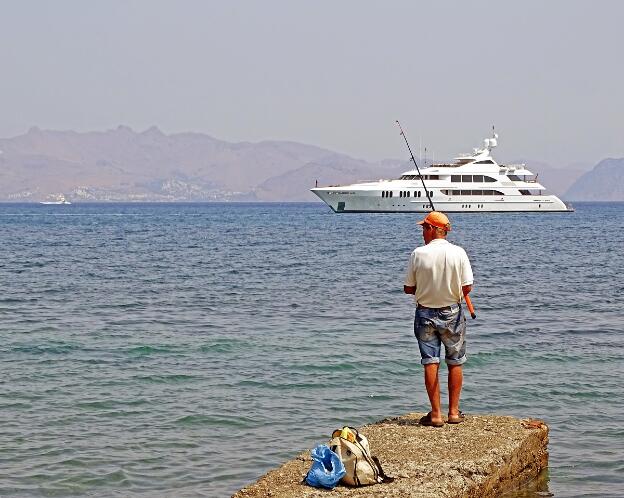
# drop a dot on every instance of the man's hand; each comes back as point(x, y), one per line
point(466, 289)
point(409, 290)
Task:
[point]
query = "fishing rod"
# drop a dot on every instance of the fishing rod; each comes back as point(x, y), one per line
point(470, 306)
point(416, 164)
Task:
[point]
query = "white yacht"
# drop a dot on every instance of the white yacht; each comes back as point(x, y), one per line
point(474, 182)
point(60, 199)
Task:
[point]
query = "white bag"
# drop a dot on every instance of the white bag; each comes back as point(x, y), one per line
point(353, 449)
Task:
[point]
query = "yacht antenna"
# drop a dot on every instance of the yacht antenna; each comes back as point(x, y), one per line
point(416, 164)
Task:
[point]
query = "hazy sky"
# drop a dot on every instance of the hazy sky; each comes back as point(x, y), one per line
point(548, 74)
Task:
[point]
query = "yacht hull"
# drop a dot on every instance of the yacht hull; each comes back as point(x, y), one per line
point(373, 202)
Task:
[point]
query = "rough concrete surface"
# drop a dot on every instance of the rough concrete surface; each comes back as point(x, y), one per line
point(483, 456)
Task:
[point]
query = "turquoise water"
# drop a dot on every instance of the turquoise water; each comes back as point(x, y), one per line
point(184, 350)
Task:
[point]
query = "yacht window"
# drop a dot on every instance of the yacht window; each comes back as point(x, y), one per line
point(487, 161)
point(456, 192)
point(466, 178)
point(525, 192)
point(465, 192)
point(431, 194)
point(477, 192)
point(515, 178)
point(455, 178)
point(488, 179)
point(434, 177)
point(408, 193)
point(477, 178)
point(496, 192)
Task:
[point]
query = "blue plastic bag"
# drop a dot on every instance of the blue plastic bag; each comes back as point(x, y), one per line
point(327, 468)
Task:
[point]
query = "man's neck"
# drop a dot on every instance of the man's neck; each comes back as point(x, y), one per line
point(437, 238)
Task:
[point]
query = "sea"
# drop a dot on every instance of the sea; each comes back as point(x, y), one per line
point(184, 350)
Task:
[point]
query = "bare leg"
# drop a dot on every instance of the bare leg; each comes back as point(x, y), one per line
point(455, 380)
point(433, 390)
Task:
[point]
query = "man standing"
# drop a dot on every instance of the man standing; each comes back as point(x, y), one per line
point(439, 275)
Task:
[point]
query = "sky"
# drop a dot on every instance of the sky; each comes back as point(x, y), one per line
point(337, 74)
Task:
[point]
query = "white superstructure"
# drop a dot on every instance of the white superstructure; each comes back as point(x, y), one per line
point(474, 182)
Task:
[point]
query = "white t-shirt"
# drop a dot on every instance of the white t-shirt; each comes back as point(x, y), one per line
point(438, 270)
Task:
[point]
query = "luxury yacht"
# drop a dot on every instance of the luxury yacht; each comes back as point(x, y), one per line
point(473, 182)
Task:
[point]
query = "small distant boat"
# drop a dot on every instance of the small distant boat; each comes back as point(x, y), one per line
point(59, 200)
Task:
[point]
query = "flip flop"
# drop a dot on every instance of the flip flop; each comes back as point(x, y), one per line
point(457, 419)
point(426, 421)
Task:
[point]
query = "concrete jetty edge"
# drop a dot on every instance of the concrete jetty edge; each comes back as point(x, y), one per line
point(484, 456)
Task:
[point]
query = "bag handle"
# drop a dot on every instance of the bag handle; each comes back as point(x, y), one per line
point(382, 474)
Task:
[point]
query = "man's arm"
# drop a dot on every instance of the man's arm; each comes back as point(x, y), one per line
point(466, 274)
point(409, 286)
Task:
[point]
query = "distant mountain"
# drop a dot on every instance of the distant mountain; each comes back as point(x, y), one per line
point(603, 183)
point(124, 165)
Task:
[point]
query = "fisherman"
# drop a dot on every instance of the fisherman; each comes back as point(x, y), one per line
point(439, 275)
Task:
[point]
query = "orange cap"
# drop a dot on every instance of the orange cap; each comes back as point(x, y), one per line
point(437, 219)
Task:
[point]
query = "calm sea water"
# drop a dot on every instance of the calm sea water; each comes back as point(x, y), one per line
point(184, 350)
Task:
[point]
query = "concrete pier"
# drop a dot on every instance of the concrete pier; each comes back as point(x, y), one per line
point(481, 457)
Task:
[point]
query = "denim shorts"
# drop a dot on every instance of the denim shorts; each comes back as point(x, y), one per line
point(434, 327)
